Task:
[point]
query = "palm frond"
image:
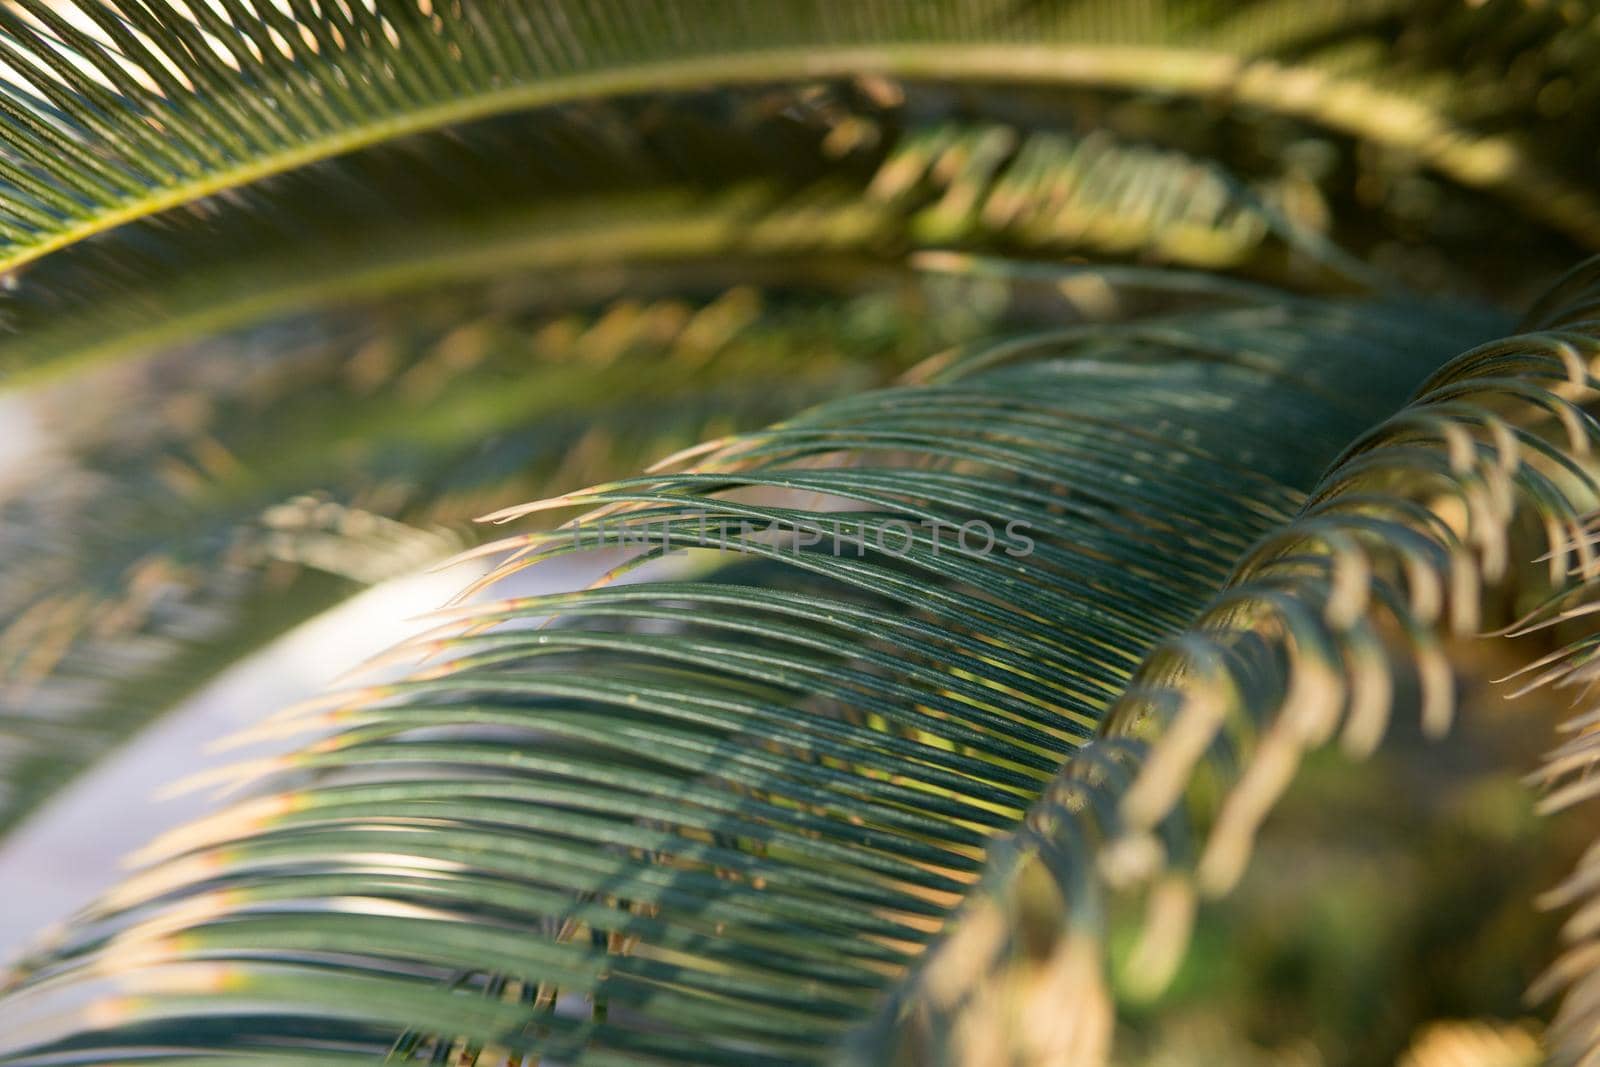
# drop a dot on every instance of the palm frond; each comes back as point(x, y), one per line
point(704, 817)
point(719, 806)
point(1448, 519)
point(115, 111)
point(1568, 779)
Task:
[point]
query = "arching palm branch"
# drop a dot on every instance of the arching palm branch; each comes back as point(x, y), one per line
point(1153, 395)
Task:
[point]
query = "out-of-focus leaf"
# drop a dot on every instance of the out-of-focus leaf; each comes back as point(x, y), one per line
point(117, 110)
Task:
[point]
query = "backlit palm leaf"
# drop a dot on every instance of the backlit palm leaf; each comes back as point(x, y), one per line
point(1441, 520)
point(118, 111)
point(708, 818)
point(809, 776)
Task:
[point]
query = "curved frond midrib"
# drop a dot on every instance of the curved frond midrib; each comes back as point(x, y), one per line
point(1357, 109)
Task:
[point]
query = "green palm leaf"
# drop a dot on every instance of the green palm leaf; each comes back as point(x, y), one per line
point(1474, 499)
point(118, 111)
point(807, 777)
point(721, 813)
